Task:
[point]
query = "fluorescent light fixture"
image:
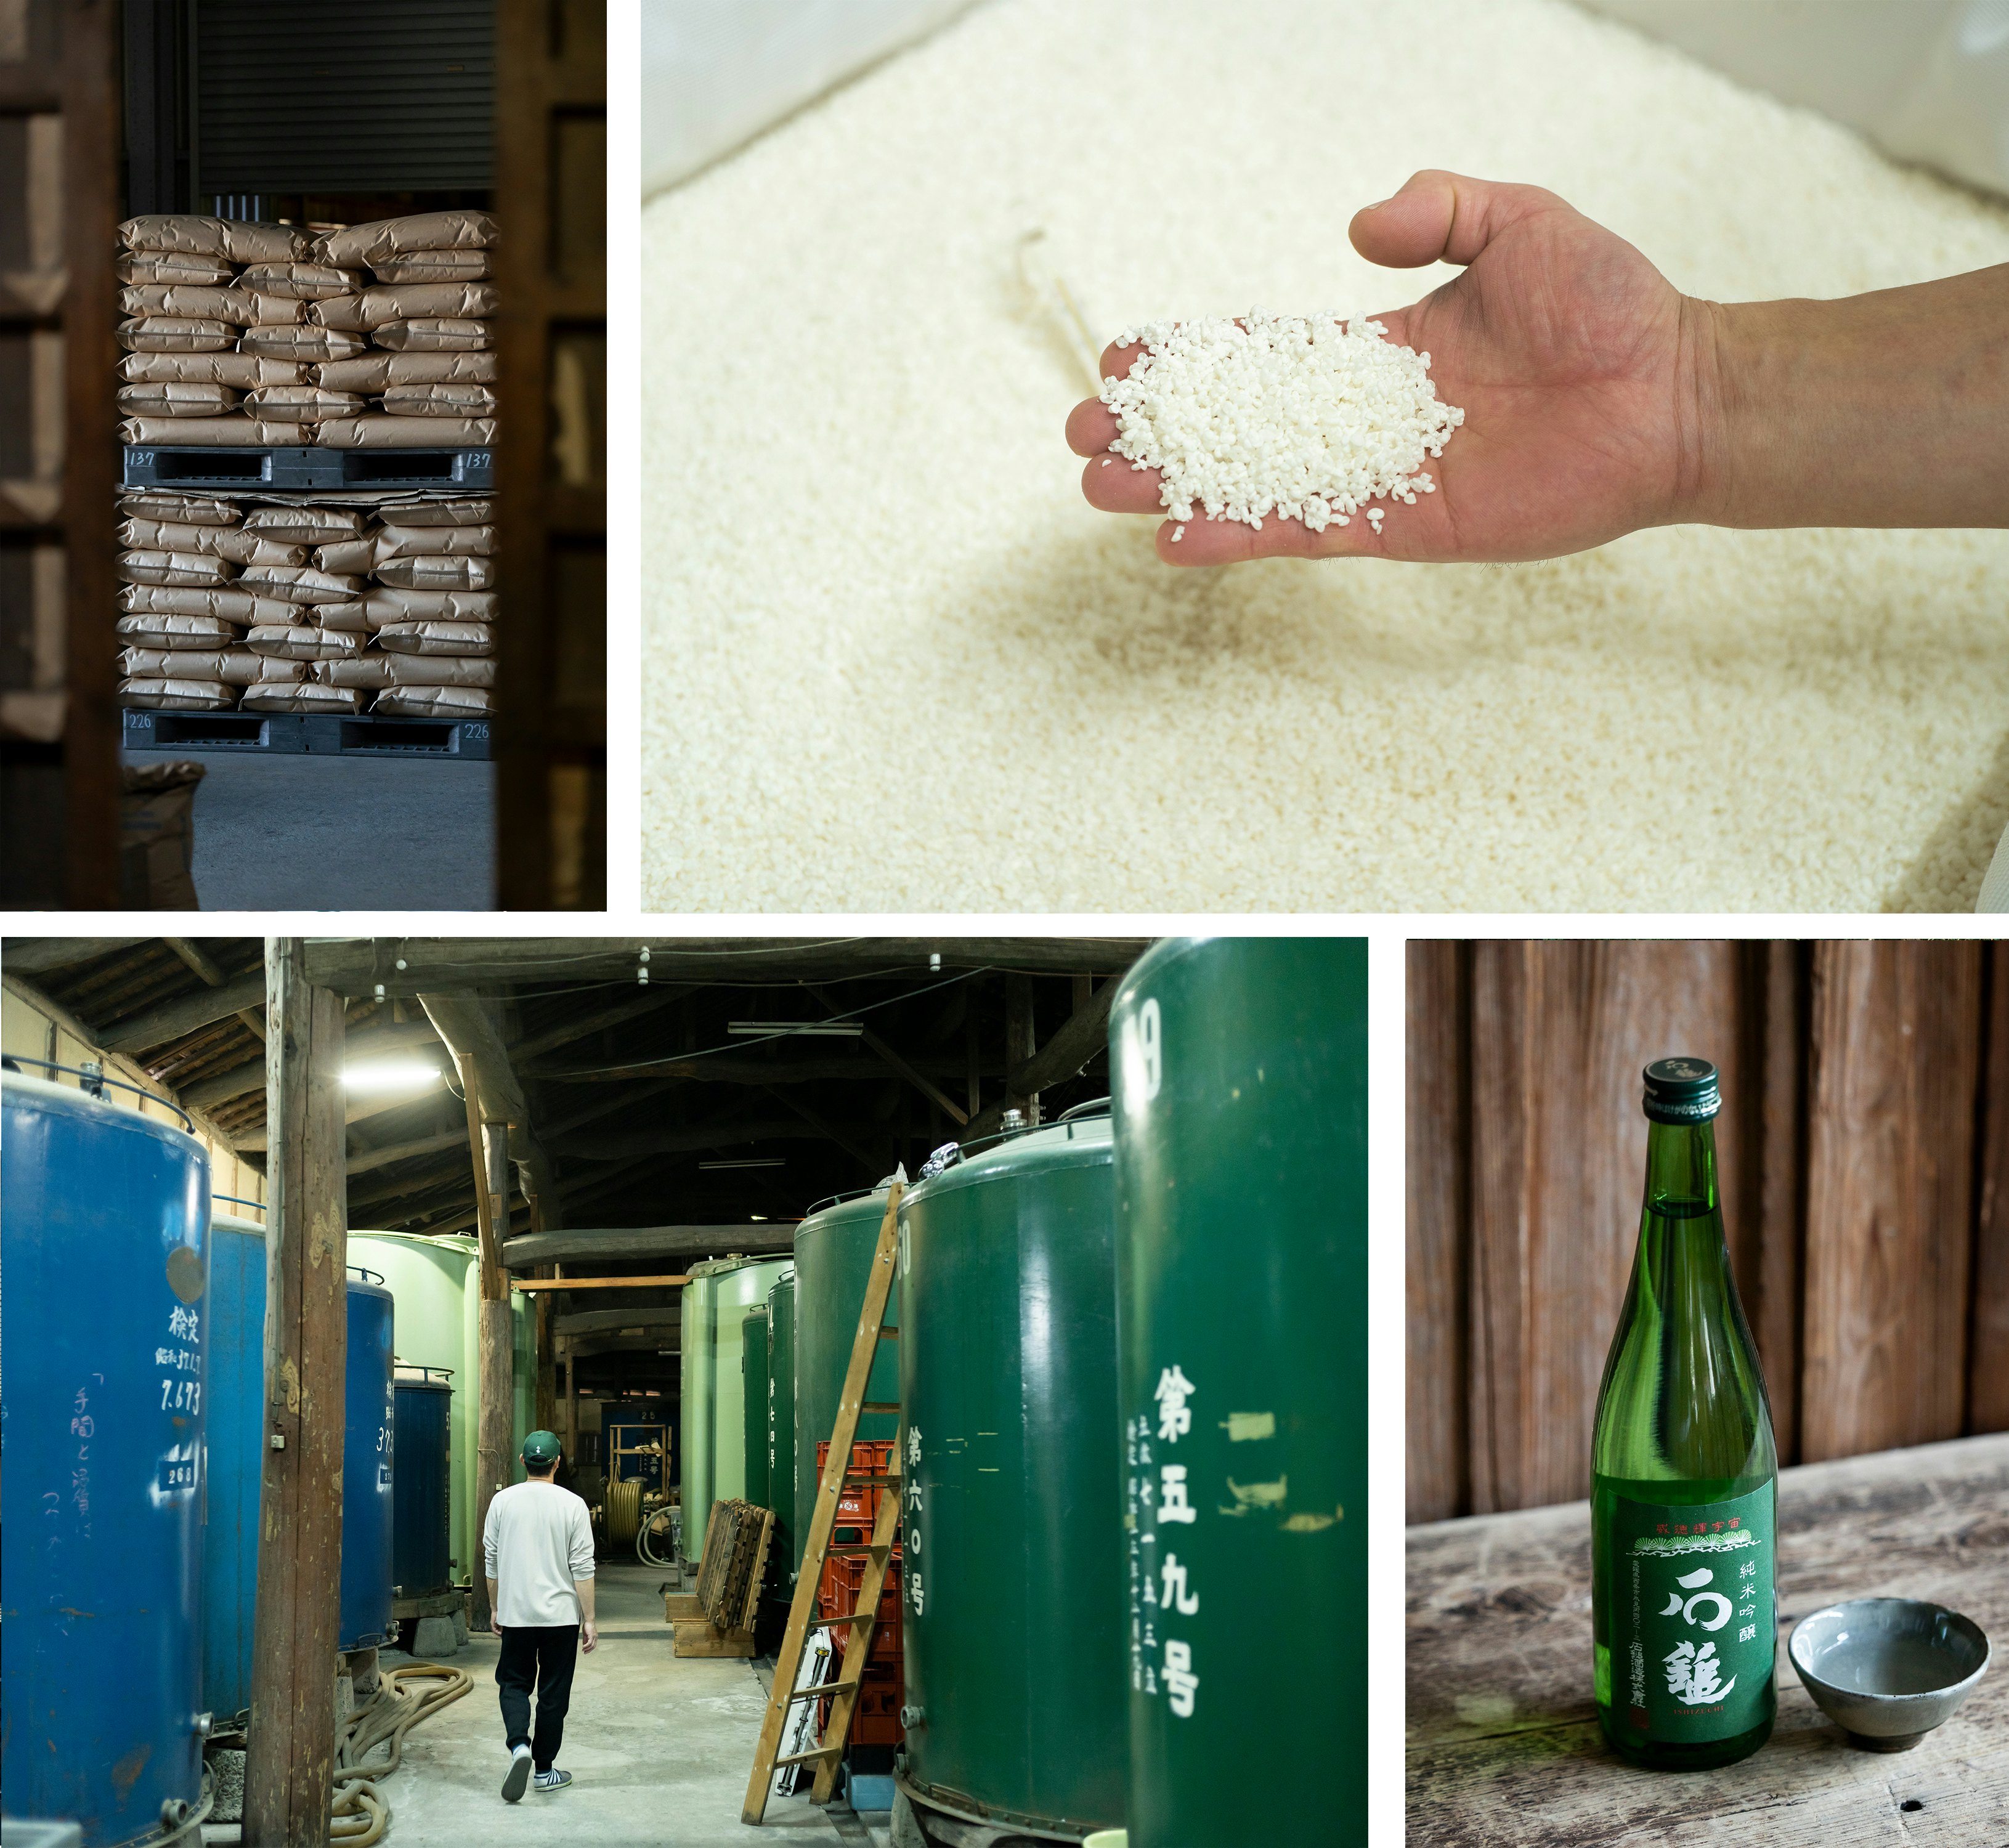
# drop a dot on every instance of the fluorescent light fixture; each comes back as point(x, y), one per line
point(761, 1161)
point(390, 1075)
point(808, 1029)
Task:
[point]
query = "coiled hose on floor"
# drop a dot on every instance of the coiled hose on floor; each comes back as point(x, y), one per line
point(403, 1697)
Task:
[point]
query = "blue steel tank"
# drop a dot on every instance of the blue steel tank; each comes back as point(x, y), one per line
point(369, 1408)
point(421, 1485)
point(235, 1348)
point(103, 1236)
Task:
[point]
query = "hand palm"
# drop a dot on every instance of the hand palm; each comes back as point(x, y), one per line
point(1561, 344)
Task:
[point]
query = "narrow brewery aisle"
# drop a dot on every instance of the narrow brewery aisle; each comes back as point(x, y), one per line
point(659, 1747)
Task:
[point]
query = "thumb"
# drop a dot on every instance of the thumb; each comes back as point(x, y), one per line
point(1442, 217)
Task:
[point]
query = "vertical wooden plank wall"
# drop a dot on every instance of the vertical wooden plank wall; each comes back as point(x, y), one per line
point(1988, 1358)
point(550, 178)
point(1854, 1104)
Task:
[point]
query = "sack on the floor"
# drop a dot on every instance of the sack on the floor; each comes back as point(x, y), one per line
point(305, 281)
point(438, 513)
point(241, 371)
point(437, 573)
point(435, 266)
point(380, 371)
point(236, 239)
point(375, 307)
point(176, 401)
point(158, 628)
point(304, 523)
point(304, 642)
point(304, 342)
point(384, 239)
point(435, 335)
point(434, 702)
point(176, 333)
point(300, 583)
point(305, 695)
point(242, 607)
point(193, 695)
point(385, 605)
point(463, 639)
point(439, 401)
point(163, 268)
point(405, 433)
point(181, 510)
point(148, 566)
point(156, 836)
point(235, 431)
point(356, 555)
point(301, 404)
point(400, 541)
point(188, 301)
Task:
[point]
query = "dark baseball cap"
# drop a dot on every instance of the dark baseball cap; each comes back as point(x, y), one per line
point(541, 1446)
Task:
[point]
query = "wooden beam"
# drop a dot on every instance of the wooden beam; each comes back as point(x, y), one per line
point(531, 1285)
point(186, 1014)
point(927, 1088)
point(406, 965)
point(624, 1244)
point(823, 1128)
point(38, 955)
point(623, 1143)
point(289, 1768)
point(592, 1322)
point(579, 1025)
point(198, 959)
point(466, 1024)
point(666, 1343)
point(364, 1160)
point(748, 1067)
point(1084, 1033)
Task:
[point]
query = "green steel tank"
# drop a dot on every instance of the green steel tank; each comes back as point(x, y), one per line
point(1239, 1069)
point(787, 1546)
point(712, 1413)
point(834, 1248)
point(437, 1285)
point(754, 1401)
point(1013, 1626)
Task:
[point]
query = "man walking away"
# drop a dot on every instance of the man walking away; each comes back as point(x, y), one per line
point(538, 1548)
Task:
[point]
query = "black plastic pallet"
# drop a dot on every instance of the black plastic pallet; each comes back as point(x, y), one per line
point(314, 735)
point(297, 471)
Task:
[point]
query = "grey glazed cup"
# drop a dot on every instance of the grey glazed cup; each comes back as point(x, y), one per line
point(1887, 1670)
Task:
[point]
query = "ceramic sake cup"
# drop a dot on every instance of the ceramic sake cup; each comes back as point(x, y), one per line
point(1887, 1670)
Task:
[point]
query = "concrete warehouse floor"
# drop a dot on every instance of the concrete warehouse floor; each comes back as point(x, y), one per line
point(843, 373)
point(660, 1748)
point(341, 834)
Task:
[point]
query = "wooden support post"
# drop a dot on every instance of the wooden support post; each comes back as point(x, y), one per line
point(495, 1418)
point(1018, 1041)
point(289, 1764)
point(547, 1365)
point(571, 1399)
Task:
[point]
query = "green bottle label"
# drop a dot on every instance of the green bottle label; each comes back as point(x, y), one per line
point(1693, 1636)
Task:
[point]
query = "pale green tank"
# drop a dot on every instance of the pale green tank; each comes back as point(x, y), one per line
point(436, 1283)
point(715, 1302)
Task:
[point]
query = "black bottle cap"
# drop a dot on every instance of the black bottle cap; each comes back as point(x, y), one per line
point(1681, 1091)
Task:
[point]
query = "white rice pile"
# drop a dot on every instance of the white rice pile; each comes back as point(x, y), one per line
point(1278, 414)
point(895, 661)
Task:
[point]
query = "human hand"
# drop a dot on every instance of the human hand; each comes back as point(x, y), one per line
point(588, 1634)
point(1578, 366)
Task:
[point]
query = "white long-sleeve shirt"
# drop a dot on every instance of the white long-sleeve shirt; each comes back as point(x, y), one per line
point(538, 1540)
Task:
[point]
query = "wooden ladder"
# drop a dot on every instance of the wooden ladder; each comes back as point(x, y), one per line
point(783, 1693)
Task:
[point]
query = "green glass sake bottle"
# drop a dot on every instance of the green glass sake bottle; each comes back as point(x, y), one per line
point(1683, 1476)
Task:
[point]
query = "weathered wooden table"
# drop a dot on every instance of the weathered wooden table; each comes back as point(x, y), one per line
point(1504, 1744)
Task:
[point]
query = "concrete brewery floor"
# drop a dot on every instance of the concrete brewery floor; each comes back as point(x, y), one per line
point(334, 833)
point(660, 1748)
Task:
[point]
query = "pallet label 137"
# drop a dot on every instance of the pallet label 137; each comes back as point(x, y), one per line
point(1692, 1635)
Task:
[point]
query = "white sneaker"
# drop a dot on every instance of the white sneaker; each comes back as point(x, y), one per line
point(553, 1779)
point(519, 1775)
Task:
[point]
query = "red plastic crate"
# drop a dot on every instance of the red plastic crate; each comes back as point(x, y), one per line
point(859, 1505)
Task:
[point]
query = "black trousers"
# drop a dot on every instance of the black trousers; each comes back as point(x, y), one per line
point(542, 1656)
